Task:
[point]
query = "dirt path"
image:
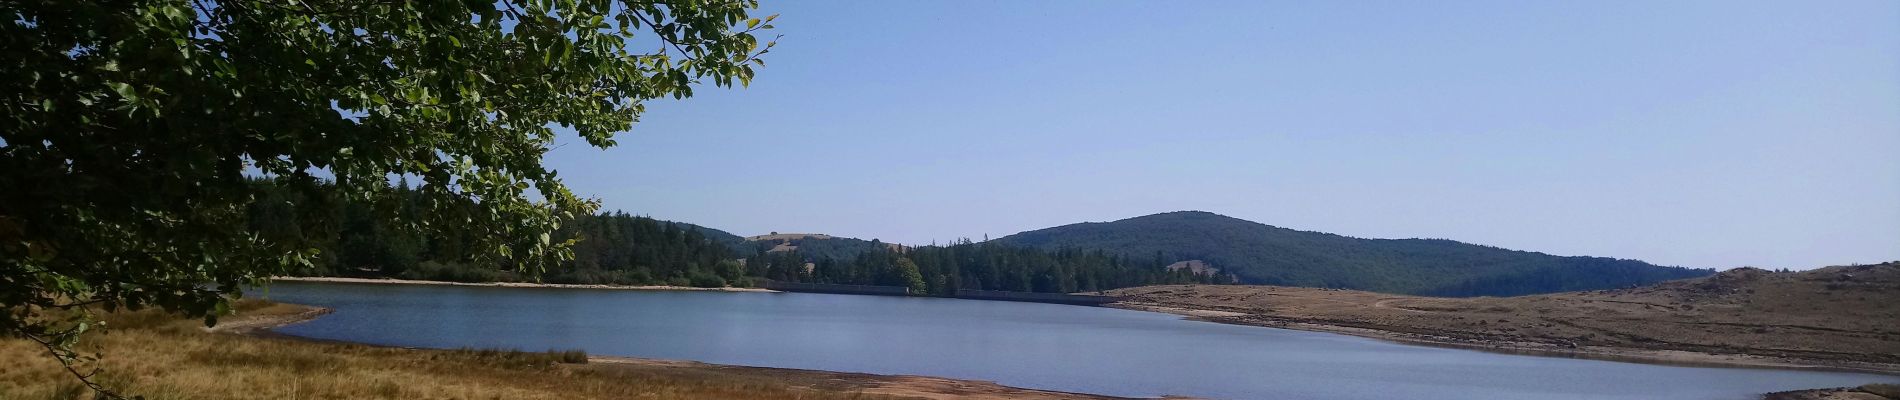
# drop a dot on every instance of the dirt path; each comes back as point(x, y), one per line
point(1387, 304)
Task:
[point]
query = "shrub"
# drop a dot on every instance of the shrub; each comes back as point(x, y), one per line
point(456, 272)
point(523, 359)
point(598, 277)
point(705, 280)
point(572, 356)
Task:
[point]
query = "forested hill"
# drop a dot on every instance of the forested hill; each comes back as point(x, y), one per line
point(723, 238)
point(619, 248)
point(1264, 254)
point(813, 246)
point(625, 249)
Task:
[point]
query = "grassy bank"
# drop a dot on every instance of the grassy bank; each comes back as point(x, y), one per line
point(161, 357)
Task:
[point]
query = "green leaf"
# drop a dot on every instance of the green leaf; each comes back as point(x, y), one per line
point(124, 90)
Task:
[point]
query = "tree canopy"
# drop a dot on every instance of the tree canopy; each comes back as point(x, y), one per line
point(943, 270)
point(131, 128)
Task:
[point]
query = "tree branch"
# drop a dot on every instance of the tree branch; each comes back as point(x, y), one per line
point(66, 361)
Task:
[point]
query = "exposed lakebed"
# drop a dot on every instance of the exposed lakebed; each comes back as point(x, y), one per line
point(1042, 346)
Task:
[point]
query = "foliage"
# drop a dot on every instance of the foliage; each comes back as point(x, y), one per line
point(130, 128)
point(657, 250)
point(607, 248)
point(905, 273)
point(1259, 253)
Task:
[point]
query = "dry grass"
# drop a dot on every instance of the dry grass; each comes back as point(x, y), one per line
point(1866, 392)
point(1844, 313)
point(160, 357)
point(1886, 390)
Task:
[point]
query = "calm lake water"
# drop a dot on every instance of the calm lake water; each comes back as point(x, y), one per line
point(1043, 346)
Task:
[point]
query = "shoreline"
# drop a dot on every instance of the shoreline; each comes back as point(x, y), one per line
point(929, 387)
point(532, 285)
point(907, 386)
point(1603, 353)
point(1529, 348)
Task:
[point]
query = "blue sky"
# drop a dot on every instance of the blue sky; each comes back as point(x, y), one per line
point(1703, 134)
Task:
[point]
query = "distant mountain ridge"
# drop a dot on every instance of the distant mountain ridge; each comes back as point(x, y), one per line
point(1265, 254)
point(1260, 253)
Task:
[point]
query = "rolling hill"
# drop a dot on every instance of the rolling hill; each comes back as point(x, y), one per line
point(1265, 254)
point(812, 245)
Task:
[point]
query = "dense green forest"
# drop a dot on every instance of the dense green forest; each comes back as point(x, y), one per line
point(622, 249)
point(617, 248)
point(942, 270)
point(367, 239)
point(1264, 254)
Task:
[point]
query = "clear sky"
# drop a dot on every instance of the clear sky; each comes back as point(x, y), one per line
point(1694, 133)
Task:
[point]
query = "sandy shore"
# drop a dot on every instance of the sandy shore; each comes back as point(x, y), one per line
point(265, 321)
point(506, 284)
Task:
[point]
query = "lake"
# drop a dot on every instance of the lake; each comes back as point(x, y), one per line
point(1043, 346)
